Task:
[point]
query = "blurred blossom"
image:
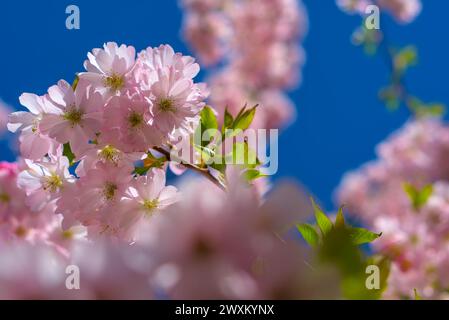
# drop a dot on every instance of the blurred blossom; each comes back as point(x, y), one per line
point(4, 112)
point(256, 44)
point(106, 270)
point(404, 11)
point(214, 245)
point(415, 238)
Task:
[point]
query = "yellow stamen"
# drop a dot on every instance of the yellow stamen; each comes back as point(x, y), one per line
point(4, 197)
point(109, 190)
point(115, 82)
point(166, 105)
point(52, 183)
point(150, 205)
point(74, 116)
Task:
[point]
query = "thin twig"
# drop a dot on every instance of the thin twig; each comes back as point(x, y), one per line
point(203, 171)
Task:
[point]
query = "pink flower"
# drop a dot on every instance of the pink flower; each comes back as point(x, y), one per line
point(404, 11)
point(130, 126)
point(4, 112)
point(109, 69)
point(33, 143)
point(218, 245)
point(96, 193)
point(43, 180)
point(413, 237)
point(39, 272)
point(75, 116)
point(145, 197)
point(105, 153)
point(17, 222)
point(165, 57)
point(175, 101)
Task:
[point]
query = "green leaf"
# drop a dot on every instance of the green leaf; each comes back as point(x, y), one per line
point(324, 223)
point(405, 58)
point(309, 234)
point(208, 119)
point(243, 155)
point(360, 235)
point(228, 119)
point(418, 198)
point(416, 294)
point(244, 120)
point(67, 151)
point(252, 174)
point(141, 171)
point(421, 109)
point(75, 82)
point(340, 219)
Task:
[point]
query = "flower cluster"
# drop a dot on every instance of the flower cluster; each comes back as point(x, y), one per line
point(208, 245)
point(114, 113)
point(257, 41)
point(405, 195)
point(404, 11)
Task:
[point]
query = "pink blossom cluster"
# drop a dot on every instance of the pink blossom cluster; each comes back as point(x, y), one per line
point(404, 11)
point(121, 107)
point(208, 245)
point(414, 237)
point(75, 199)
point(256, 43)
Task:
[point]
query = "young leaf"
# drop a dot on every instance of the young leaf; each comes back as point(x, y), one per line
point(141, 171)
point(208, 119)
point(340, 219)
point(67, 151)
point(252, 174)
point(308, 233)
point(324, 223)
point(228, 119)
point(360, 235)
point(244, 120)
point(417, 197)
point(75, 82)
point(416, 294)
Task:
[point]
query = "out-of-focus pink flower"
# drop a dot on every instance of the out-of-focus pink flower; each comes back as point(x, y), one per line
point(414, 238)
point(404, 11)
point(218, 245)
point(5, 110)
point(106, 271)
point(257, 41)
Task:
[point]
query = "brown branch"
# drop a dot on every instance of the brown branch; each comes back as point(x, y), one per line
point(202, 171)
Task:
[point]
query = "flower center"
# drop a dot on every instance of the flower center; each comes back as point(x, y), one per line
point(52, 183)
point(135, 119)
point(74, 116)
point(166, 105)
point(109, 190)
point(115, 82)
point(67, 234)
point(21, 231)
point(4, 197)
point(150, 205)
point(111, 154)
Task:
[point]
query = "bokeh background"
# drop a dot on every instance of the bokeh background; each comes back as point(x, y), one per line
point(340, 120)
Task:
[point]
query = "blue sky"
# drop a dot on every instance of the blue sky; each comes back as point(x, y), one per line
point(339, 120)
